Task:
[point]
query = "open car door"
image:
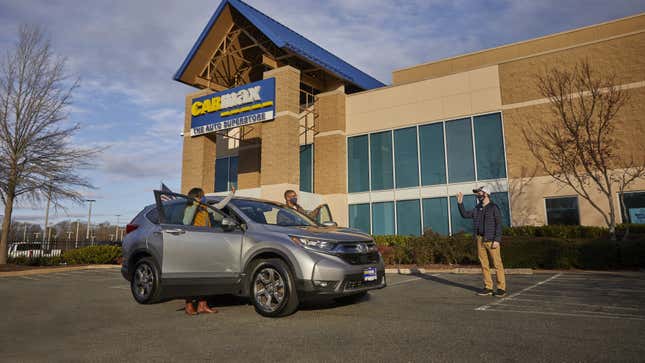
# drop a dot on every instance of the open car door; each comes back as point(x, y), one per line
point(322, 215)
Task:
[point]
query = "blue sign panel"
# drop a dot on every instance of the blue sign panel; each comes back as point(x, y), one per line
point(248, 104)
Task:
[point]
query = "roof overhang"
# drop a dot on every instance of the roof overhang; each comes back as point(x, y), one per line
point(240, 42)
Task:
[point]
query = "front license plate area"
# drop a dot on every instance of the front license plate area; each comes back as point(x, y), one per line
point(369, 274)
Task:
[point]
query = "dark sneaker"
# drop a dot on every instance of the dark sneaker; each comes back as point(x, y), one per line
point(500, 293)
point(485, 292)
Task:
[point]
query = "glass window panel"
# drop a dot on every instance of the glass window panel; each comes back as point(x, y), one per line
point(435, 215)
point(501, 199)
point(489, 144)
point(359, 217)
point(381, 158)
point(408, 217)
point(357, 164)
point(433, 160)
point(406, 157)
point(383, 218)
point(459, 142)
point(232, 172)
point(221, 175)
point(562, 211)
point(460, 224)
point(306, 168)
point(635, 205)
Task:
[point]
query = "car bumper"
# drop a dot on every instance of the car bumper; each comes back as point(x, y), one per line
point(341, 279)
point(125, 272)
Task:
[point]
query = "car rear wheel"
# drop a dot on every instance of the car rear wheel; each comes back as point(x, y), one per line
point(272, 287)
point(145, 281)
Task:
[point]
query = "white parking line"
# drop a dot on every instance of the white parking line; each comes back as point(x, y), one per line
point(555, 302)
point(29, 278)
point(591, 314)
point(404, 281)
point(488, 306)
point(120, 287)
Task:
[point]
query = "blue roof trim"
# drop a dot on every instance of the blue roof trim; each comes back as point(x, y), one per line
point(283, 37)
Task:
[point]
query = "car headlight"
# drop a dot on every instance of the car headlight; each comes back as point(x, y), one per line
point(314, 243)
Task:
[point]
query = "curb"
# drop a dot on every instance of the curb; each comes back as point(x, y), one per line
point(459, 270)
point(42, 271)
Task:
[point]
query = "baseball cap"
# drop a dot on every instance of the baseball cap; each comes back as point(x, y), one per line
point(482, 189)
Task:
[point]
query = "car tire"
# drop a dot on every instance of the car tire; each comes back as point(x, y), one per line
point(144, 283)
point(272, 288)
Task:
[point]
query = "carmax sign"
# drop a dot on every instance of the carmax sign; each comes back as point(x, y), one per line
point(244, 105)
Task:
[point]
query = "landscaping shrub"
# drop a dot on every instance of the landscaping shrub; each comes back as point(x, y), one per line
point(35, 261)
point(92, 255)
point(557, 231)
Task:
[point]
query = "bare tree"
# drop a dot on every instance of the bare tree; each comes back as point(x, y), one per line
point(37, 159)
point(579, 147)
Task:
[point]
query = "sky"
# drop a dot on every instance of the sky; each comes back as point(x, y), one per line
point(125, 53)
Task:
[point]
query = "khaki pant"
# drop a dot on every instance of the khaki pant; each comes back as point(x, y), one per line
point(484, 249)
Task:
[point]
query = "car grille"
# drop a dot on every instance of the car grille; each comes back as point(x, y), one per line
point(360, 258)
point(355, 283)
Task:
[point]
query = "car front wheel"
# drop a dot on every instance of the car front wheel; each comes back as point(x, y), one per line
point(273, 288)
point(145, 281)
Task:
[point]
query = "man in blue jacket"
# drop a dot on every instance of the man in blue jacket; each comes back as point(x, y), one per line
point(487, 231)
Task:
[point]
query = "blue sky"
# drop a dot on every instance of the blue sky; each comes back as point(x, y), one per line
point(126, 52)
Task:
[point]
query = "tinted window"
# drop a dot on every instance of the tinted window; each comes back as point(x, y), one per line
point(435, 215)
point(357, 164)
point(306, 168)
point(408, 217)
point(381, 160)
point(562, 211)
point(221, 175)
point(383, 218)
point(153, 216)
point(459, 142)
point(501, 199)
point(183, 211)
point(460, 224)
point(406, 157)
point(232, 172)
point(489, 147)
point(635, 205)
point(433, 161)
point(359, 217)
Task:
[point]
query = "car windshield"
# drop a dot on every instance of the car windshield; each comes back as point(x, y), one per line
point(272, 214)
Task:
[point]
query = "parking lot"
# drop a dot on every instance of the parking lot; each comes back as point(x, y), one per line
point(90, 315)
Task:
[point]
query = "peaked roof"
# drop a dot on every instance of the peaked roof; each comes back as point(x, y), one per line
point(285, 38)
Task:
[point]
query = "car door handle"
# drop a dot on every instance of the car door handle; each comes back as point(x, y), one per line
point(175, 231)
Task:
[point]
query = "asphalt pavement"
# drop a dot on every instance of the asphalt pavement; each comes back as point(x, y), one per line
point(89, 315)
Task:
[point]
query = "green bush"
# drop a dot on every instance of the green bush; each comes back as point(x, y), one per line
point(557, 231)
point(35, 261)
point(92, 255)
point(517, 251)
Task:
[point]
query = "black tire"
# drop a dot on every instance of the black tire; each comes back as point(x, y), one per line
point(144, 283)
point(269, 304)
point(350, 299)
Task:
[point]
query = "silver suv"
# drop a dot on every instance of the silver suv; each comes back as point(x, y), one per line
point(255, 248)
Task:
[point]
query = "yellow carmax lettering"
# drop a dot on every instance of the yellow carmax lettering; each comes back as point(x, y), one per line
point(207, 106)
point(196, 109)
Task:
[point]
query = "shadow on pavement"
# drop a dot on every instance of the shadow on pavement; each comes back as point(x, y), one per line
point(445, 281)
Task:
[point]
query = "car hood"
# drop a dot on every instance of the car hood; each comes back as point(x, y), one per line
point(339, 234)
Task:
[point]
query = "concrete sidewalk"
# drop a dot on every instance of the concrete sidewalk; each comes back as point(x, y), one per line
point(457, 270)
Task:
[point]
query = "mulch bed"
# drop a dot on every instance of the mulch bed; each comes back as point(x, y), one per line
point(13, 267)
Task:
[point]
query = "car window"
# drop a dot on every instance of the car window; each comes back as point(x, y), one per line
point(271, 213)
point(153, 216)
point(181, 210)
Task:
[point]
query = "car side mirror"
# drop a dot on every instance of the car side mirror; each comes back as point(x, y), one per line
point(228, 224)
point(330, 224)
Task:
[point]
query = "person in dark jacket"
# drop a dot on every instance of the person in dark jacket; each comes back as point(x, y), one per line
point(487, 231)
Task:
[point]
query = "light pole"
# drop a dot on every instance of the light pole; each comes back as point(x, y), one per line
point(76, 241)
point(116, 233)
point(24, 232)
point(89, 219)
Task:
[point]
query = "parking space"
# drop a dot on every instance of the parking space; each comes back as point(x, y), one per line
point(90, 315)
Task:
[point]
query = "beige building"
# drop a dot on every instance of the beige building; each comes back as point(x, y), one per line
point(390, 159)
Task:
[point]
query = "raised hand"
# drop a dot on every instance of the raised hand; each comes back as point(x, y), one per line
point(460, 197)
